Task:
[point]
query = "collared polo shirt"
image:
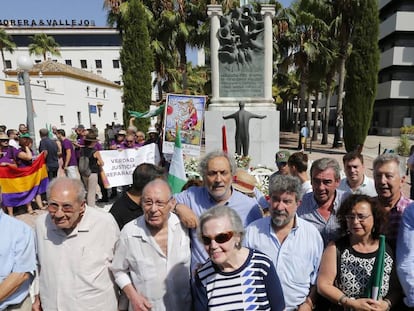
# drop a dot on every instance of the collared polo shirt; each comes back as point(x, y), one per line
point(308, 210)
point(367, 187)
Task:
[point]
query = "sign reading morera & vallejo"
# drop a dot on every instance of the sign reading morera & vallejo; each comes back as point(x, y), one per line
point(47, 22)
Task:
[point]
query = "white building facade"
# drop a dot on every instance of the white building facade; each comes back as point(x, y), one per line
point(81, 86)
point(63, 97)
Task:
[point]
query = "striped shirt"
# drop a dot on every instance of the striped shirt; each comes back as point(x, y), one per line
point(254, 286)
point(394, 220)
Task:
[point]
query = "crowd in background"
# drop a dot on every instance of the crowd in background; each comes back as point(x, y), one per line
point(63, 152)
point(219, 244)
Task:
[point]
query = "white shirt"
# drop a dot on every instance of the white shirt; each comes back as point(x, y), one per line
point(163, 280)
point(306, 187)
point(14, 143)
point(74, 268)
point(367, 187)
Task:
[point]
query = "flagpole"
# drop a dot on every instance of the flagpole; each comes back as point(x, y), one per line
point(224, 139)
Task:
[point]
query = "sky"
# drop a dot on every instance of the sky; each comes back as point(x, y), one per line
point(61, 10)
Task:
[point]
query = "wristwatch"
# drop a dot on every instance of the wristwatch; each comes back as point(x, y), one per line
point(342, 300)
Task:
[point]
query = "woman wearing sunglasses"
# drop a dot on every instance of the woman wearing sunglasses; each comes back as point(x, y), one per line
point(235, 277)
point(347, 264)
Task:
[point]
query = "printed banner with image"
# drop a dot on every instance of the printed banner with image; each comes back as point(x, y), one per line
point(188, 112)
point(120, 164)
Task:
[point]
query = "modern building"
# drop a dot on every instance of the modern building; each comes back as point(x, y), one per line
point(93, 49)
point(81, 86)
point(62, 96)
point(394, 105)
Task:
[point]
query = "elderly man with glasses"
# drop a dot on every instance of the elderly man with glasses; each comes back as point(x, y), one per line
point(152, 258)
point(75, 247)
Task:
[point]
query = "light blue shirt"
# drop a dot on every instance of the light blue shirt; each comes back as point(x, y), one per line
point(199, 200)
point(308, 210)
point(367, 187)
point(296, 259)
point(405, 255)
point(17, 254)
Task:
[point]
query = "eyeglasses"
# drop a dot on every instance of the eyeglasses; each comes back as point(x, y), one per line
point(360, 217)
point(160, 204)
point(53, 208)
point(4, 140)
point(219, 238)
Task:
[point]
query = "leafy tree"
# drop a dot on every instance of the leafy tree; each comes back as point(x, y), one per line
point(42, 43)
point(137, 62)
point(6, 43)
point(361, 81)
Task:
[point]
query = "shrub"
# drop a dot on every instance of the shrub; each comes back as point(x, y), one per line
point(404, 146)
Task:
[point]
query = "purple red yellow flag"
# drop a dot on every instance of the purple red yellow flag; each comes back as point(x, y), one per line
point(20, 185)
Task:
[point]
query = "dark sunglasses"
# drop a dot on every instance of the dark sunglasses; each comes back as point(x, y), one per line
point(219, 238)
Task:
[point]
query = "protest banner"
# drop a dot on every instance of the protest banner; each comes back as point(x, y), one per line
point(120, 164)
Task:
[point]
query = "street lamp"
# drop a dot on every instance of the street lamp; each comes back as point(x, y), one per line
point(25, 63)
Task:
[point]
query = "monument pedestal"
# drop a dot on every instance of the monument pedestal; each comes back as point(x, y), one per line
point(264, 134)
point(232, 104)
point(242, 72)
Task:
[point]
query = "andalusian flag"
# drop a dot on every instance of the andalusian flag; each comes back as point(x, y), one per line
point(176, 174)
point(20, 185)
point(373, 289)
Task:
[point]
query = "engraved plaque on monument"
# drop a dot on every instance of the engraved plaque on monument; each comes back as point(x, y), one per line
point(241, 54)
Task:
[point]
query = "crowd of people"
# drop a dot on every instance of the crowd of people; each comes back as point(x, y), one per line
point(311, 244)
point(62, 155)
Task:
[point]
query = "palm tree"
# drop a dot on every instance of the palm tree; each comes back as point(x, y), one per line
point(344, 12)
point(310, 30)
point(42, 44)
point(6, 43)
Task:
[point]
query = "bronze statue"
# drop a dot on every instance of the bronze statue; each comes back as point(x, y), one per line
point(242, 118)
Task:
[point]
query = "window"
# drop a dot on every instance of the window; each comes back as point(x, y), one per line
point(84, 64)
point(61, 119)
point(115, 116)
point(78, 114)
point(87, 90)
point(96, 92)
point(115, 63)
point(104, 93)
point(68, 62)
point(8, 64)
point(98, 63)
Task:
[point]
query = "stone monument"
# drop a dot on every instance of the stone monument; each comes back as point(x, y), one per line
point(242, 71)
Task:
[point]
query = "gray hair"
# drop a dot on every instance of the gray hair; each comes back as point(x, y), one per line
point(286, 183)
point(203, 165)
point(76, 183)
point(389, 157)
point(221, 211)
point(323, 164)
